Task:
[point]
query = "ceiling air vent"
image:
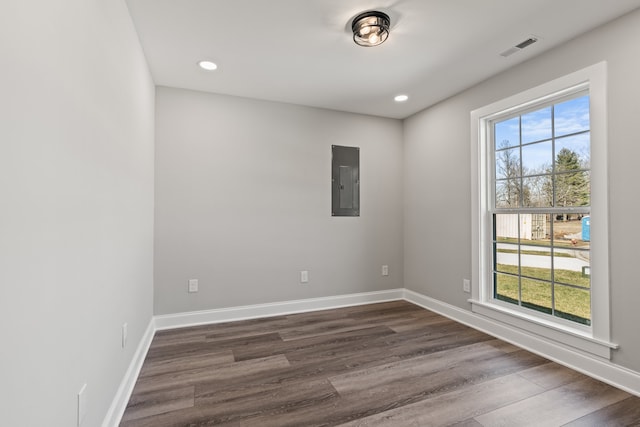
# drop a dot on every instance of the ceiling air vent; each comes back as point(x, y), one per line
point(517, 48)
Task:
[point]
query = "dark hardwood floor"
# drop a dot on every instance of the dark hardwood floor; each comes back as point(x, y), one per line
point(388, 364)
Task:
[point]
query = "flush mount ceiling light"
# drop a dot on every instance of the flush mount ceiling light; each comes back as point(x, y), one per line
point(401, 98)
point(207, 65)
point(370, 28)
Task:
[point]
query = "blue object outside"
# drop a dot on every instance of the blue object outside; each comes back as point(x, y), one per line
point(586, 228)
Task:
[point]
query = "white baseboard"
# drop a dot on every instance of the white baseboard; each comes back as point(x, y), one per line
point(594, 367)
point(194, 318)
point(121, 399)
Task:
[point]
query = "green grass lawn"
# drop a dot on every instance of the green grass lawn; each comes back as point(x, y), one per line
point(571, 303)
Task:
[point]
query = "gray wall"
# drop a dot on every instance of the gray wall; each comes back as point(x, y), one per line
point(438, 184)
point(76, 215)
point(243, 202)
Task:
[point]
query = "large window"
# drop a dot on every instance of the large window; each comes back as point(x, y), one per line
point(540, 208)
point(539, 170)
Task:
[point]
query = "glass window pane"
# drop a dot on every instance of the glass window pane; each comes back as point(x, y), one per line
point(567, 160)
point(537, 158)
point(580, 145)
point(572, 116)
point(533, 231)
point(508, 193)
point(572, 189)
point(572, 267)
point(506, 288)
point(535, 262)
point(506, 256)
point(573, 304)
point(536, 295)
point(508, 163)
point(541, 229)
point(537, 191)
point(536, 126)
point(507, 133)
point(506, 228)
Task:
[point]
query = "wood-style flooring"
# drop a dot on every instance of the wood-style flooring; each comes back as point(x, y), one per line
point(387, 364)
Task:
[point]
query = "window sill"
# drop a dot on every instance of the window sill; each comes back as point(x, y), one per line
point(573, 337)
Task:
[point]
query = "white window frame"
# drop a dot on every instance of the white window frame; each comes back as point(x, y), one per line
point(593, 339)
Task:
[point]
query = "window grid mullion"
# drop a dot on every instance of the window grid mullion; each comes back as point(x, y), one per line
point(519, 264)
point(520, 170)
point(520, 205)
point(551, 217)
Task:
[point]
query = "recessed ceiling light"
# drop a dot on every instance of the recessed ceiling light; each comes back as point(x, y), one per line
point(401, 98)
point(207, 65)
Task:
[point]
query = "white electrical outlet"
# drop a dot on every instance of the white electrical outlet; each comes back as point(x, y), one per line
point(82, 404)
point(466, 285)
point(385, 270)
point(124, 335)
point(304, 276)
point(193, 285)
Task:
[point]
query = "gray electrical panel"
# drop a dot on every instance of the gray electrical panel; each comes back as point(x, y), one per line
point(345, 181)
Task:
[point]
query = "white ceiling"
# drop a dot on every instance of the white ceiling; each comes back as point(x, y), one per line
point(301, 51)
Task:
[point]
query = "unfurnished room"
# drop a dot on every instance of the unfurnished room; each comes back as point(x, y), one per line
point(319, 213)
